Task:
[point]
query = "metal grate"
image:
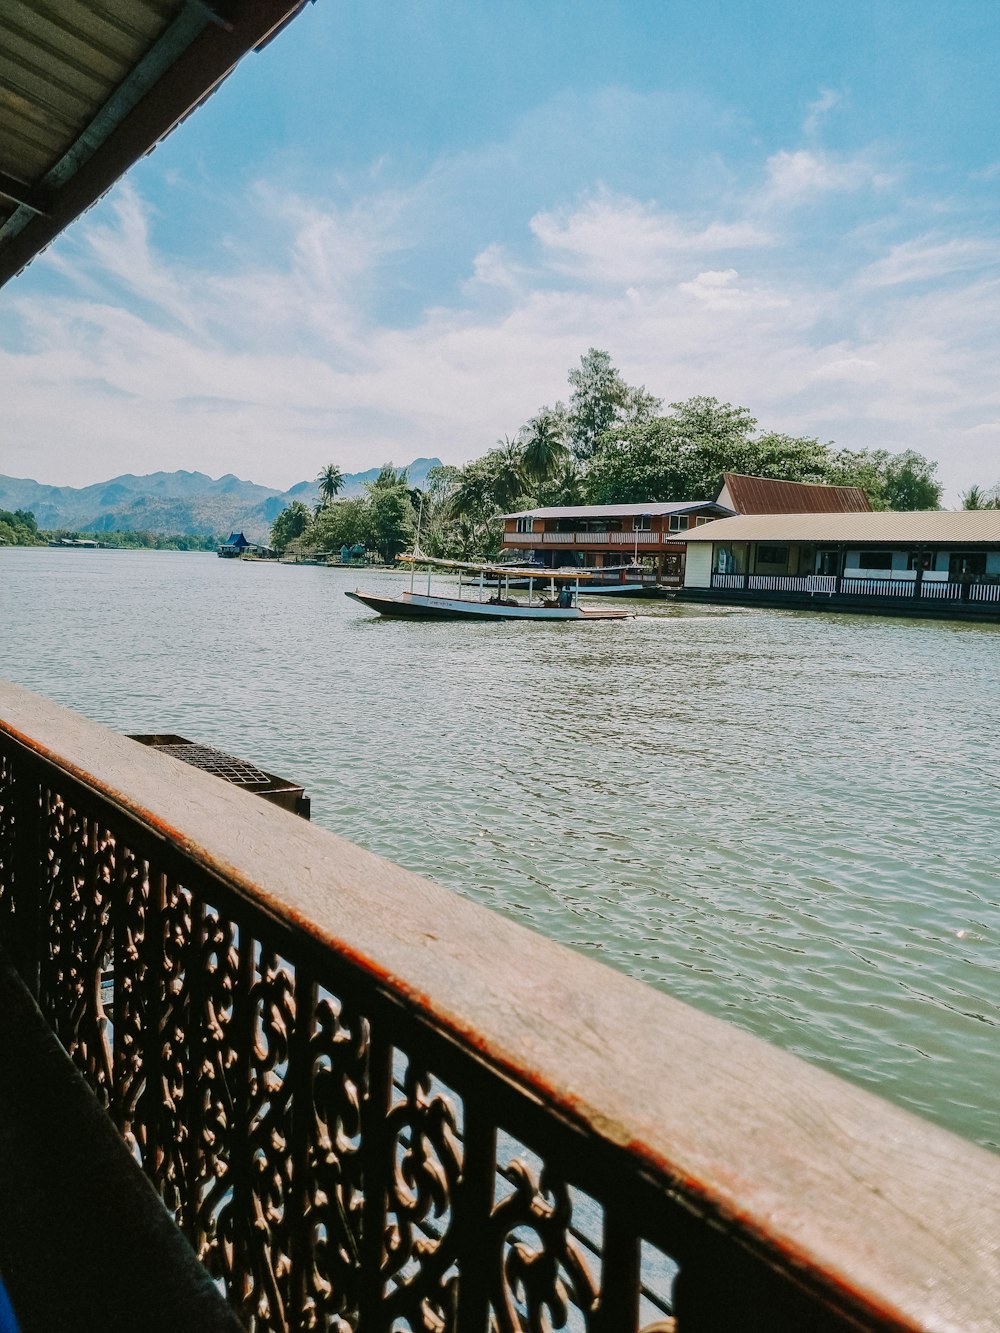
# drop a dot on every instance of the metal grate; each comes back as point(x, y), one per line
point(240, 772)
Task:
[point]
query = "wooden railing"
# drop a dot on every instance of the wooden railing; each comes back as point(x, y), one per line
point(373, 1105)
point(886, 587)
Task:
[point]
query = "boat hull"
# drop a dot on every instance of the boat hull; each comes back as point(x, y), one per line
point(420, 606)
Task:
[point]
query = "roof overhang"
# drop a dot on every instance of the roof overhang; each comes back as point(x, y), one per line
point(931, 527)
point(644, 510)
point(86, 91)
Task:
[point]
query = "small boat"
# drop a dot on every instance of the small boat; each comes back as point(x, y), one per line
point(549, 604)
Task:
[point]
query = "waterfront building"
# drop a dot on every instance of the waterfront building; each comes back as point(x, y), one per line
point(610, 536)
point(234, 545)
point(927, 562)
point(653, 534)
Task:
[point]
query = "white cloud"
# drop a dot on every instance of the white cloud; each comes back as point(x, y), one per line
point(284, 359)
point(925, 258)
point(820, 110)
point(722, 290)
point(854, 369)
point(802, 174)
point(624, 242)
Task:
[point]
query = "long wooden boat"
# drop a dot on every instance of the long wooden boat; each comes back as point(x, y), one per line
point(413, 605)
point(421, 606)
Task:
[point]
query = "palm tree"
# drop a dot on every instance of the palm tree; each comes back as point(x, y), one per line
point(507, 466)
point(545, 448)
point(331, 483)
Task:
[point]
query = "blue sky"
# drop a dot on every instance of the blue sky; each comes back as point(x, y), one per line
point(394, 231)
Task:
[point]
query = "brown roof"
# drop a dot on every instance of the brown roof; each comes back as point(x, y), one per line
point(86, 89)
point(765, 495)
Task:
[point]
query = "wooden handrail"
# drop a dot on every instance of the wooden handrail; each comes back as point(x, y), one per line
point(808, 1188)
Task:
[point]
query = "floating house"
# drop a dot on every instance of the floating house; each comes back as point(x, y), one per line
point(932, 562)
point(237, 546)
point(610, 537)
point(615, 536)
point(234, 546)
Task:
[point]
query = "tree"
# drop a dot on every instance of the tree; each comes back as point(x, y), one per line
point(979, 497)
point(545, 451)
point(910, 482)
point(343, 523)
point(292, 522)
point(331, 483)
point(601, 400)
point(891, 481)
point(388, 513)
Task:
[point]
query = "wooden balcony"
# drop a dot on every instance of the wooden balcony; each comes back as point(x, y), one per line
point(586, 539)
point(371, 1105)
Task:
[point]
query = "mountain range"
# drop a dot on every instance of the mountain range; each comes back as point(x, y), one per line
point(175, 502)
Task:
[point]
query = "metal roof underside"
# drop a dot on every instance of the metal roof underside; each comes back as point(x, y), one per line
point(87, 87)
point(619, 511)
point(963, 527)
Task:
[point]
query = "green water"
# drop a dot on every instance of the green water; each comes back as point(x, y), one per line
point(789, 820)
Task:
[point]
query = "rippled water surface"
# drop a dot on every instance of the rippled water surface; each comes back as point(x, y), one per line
point(789, 820)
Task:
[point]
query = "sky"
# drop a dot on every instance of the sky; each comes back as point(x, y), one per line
point(393, 232)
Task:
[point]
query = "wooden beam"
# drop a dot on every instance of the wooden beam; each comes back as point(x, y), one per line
point(196, 73)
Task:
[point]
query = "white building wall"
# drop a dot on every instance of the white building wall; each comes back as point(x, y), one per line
point(698, 565)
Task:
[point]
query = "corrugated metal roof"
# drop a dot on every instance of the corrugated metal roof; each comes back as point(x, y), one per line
point(963, 527)
point(618, 511)
point(89, 86)
point(768, 495)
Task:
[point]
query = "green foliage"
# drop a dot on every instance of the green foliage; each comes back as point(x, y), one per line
point(18, 528)
point(891, 481)
point(544, 447)
point(389, 515)
point(981, 497)
point(331, 483)
point(292, 522)
point(131, 539)
point(683, 455)
point(601, 401)
point(342, 523)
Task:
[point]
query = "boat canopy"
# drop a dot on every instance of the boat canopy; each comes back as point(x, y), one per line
point(538, 572)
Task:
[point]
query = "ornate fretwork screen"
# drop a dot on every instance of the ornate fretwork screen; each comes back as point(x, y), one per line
point(339, 1155)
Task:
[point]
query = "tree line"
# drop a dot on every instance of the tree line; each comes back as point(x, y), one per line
point(19, 527)
point(609, 443)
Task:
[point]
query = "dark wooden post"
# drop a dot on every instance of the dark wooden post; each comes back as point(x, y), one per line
point(27, 877)
point(841, 565)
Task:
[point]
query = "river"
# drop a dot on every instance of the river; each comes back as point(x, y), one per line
point(789, 820)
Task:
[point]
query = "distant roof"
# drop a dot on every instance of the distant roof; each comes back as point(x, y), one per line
point(87, 89)
point(616, 511)
point(766, 495)
point(940, 526)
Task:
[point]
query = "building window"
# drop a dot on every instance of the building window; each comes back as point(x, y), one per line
point(702, 518)
point(642, 523)
point(772, 555)
point(525, 525)
point(678, 523)
point(875, 560)
point(920, 560)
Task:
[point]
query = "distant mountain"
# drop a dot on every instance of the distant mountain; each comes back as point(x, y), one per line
point(175, 502)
